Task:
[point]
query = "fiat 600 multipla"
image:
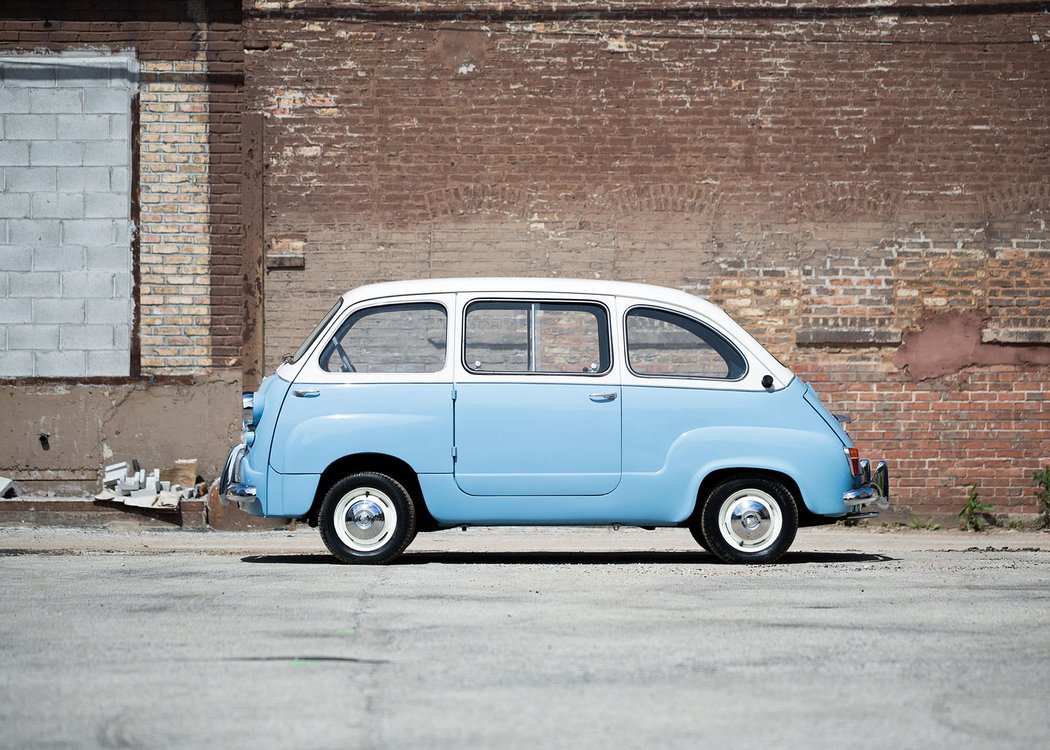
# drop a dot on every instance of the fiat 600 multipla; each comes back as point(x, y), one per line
point(423, 405)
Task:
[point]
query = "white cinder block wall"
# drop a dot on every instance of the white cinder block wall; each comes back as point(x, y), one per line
point(65, 215)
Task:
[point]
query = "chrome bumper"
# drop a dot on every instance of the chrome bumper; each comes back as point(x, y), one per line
point(872, 495)
point(230, 485)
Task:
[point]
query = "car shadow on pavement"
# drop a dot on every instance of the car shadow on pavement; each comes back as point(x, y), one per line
point(572, 558)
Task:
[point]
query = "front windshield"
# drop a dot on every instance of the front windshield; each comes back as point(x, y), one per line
point(317, 330)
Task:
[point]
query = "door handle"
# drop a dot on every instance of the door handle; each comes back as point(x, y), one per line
point(606, 396)
point(306, 393)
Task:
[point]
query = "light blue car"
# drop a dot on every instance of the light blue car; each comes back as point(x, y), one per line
point(423, 405)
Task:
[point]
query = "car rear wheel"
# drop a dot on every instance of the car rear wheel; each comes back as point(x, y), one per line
point(749, 520)
point(367, 518)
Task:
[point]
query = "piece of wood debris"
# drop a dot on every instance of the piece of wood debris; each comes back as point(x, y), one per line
point(183, 472)
point(167, 500)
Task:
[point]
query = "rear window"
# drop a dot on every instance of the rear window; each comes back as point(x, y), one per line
point(661, 343)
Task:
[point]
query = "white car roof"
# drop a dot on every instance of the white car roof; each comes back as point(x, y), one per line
point(623, 289)
point(469, 285)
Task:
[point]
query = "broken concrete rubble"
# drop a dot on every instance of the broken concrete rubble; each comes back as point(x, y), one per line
point(126, 483)
point(115, 473)
point(8, 488)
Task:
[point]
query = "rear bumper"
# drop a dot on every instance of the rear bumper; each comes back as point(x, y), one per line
point(230, 485)
point(873, 494)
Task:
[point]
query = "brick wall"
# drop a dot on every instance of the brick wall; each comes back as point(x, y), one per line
point(865, 189)
point(174, 198)
point(987, 426)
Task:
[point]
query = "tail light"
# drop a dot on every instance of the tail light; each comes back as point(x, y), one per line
point(853, 457)
point(248, 410)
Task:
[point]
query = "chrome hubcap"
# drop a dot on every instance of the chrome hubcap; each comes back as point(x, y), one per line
point(750, 520)
point(365, 519)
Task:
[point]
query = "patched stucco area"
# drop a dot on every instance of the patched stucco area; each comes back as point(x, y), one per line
point(74, 430)
point(947, 343)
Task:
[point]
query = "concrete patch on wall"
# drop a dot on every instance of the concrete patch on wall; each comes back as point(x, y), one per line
point(950, 342)
point(60, 436)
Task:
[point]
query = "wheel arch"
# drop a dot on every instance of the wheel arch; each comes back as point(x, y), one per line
point(718, 476)
point(381, 463)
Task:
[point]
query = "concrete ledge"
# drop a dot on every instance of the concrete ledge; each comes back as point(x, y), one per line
point(90, 513)
point(85, 512)
point(847, 337)
point(1015, 336)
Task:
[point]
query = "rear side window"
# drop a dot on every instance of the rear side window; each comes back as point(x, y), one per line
point(407, 338)
point(550, 338)
point(661, 343)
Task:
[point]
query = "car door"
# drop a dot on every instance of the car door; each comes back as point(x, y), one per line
point(381, 384)
point(537, 398)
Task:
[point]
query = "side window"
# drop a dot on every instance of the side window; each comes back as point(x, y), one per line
point(389, 339)
point(497, 337)
point(537, 337)
point(664, 344)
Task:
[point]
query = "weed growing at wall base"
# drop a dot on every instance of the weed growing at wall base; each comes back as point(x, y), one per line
point(928, 525)
point(1042, 478)
point(973, 516)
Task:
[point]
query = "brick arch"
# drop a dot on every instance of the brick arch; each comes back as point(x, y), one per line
point(1020, 199)
point(846, 202)
point(465, 200)
point(482, 230)
point(697, 200)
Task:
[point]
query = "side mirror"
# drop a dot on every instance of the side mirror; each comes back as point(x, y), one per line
point(767, 381)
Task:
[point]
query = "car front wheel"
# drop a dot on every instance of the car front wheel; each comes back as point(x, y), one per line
point(367, 518)
point(749, 520)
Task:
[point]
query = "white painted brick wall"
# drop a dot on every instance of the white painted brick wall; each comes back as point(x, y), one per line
point(65, 234)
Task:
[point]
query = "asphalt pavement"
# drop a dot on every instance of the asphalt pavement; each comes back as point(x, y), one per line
point(522, 638)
